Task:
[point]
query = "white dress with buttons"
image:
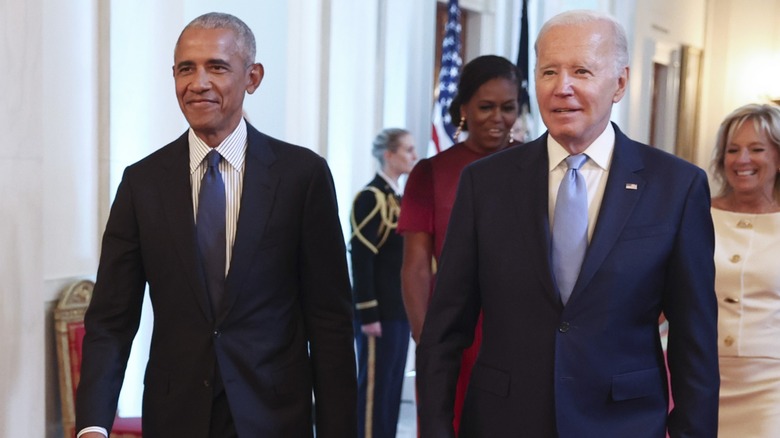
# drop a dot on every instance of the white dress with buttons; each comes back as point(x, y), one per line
point(747, 283)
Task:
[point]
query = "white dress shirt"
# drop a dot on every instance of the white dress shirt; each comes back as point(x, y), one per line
point(595, 170)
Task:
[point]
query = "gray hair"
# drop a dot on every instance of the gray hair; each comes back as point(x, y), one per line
point(387, 140)
point(583, 16)
point(766, 120)
point(245, 39)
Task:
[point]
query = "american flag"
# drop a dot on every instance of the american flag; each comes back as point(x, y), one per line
point(443, 132)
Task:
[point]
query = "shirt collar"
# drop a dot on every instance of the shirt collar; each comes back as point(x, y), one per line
point(232, 148)
point(390, 182)
point(599, 152)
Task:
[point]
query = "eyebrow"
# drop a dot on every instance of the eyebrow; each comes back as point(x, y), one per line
point(184, 64)
point(483, 101)
point(217, 61)
point(214, 61)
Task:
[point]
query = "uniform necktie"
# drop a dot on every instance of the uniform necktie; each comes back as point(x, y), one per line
point(570, 227)
point(211, 229)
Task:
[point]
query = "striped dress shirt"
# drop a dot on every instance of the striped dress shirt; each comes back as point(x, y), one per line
point(233, 151)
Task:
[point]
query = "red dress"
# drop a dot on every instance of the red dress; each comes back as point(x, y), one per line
point(425, 207)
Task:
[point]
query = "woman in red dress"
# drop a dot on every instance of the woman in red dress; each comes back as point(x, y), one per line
point(486, 106)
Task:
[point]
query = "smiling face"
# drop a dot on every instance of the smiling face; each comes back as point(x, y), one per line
point(751, 162)
point(212, 75)
point(490, 114)
point(577, 82)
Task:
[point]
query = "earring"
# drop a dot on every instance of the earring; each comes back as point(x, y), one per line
point(511, 137)
point(460, 128)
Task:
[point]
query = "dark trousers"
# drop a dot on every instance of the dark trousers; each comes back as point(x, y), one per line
point(390, 361)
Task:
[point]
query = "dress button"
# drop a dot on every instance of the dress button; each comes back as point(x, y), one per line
point(564, 327)
point(731, 300)
point(735, 258)
point(729, 341)
point(217, 333)
point(744, 223)
point(206, 383)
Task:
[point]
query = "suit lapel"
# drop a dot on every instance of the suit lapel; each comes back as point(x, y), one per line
point(176, 192)
point(257, 199)
point(531, 161)
point(623, 189)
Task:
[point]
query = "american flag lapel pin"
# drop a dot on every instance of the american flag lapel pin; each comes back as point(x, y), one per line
point(631, 186)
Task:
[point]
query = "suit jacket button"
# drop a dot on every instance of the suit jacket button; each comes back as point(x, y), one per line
point(564, 327)
point(206, 383)
point(217, 333)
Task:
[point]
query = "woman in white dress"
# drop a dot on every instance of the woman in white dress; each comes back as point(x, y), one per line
point(746, 215)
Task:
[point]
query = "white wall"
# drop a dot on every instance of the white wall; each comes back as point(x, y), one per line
point(71, 178)
point(659, 26)
point(379, 70)
point(407, 69)
point(48, 189)
point(353, 98)
point(22, 363)
point(741, 62)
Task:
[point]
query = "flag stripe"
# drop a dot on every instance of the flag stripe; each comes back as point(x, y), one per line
point(443, 131)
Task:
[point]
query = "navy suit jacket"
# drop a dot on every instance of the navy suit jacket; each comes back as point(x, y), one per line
point(284, 331)
point(594, 368)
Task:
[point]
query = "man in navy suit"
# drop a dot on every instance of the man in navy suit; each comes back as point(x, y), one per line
point(594, 366)
point(244, 363)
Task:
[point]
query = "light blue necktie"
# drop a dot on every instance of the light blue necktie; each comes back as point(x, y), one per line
point(210, 227)
point(570, 227)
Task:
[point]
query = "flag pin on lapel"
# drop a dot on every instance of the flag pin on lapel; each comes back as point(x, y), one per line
point(631, 186)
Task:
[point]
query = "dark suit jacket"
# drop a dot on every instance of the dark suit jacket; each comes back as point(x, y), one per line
point(286, 324)
point(594, 368)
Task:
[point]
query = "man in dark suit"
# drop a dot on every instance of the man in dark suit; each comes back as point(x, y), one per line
point(586, 361)
point(242, 354)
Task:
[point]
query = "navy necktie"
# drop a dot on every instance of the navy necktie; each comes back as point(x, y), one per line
point(570, 227)
point(211, 229)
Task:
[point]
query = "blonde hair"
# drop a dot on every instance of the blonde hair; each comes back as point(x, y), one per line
point(387, 140)
point(766, 120)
